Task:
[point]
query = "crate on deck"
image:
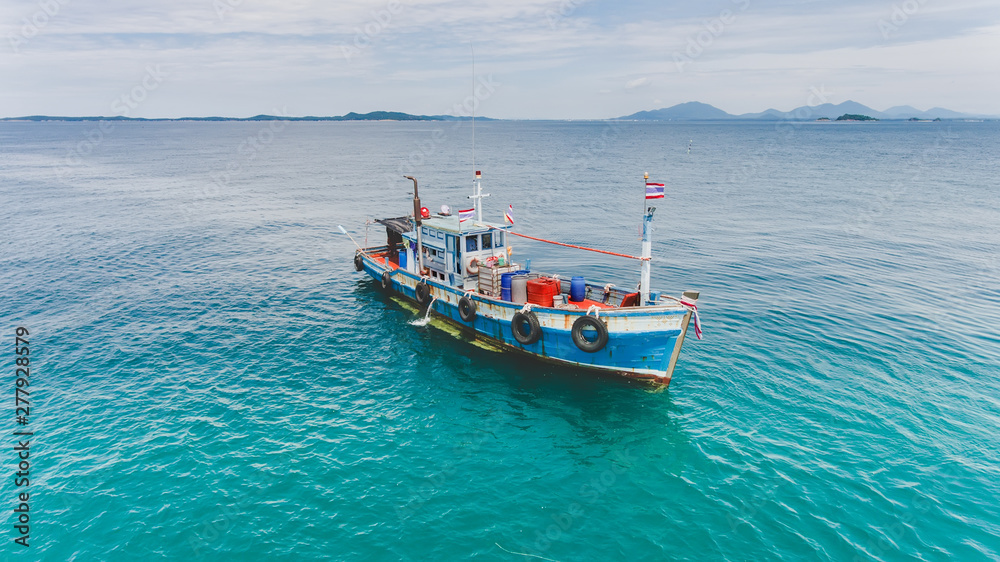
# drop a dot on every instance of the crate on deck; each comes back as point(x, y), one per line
point(489, 277)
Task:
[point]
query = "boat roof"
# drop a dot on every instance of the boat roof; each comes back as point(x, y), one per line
point(451, 224)
point(404, 225)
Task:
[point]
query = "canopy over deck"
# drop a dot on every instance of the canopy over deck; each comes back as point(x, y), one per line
point(402, 225)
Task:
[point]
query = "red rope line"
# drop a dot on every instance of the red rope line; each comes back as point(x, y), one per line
point(579, 247)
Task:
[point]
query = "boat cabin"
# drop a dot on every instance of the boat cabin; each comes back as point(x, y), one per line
point(453, 250)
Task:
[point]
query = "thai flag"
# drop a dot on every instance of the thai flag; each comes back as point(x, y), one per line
point(466, 215)
point(508, 215)
point(654, 190)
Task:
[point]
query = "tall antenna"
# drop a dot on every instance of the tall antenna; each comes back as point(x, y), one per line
point(477, 186)
point(473, 47)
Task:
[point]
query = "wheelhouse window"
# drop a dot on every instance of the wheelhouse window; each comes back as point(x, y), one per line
point(471, 244)
point(487, 240)
point(498, 239)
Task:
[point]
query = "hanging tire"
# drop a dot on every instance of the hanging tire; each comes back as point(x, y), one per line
point(423, 292)
point(359, 262)
point(386, 281)
point(526, 328)
point(467, 309)
point(585, 344)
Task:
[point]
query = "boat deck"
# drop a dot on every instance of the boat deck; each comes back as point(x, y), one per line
point(383, 260)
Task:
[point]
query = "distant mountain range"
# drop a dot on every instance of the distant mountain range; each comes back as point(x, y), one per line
point(690, 111)
point(373, 116)
point(696, 111)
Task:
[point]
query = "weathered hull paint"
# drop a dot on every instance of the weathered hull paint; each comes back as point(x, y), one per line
point(643, 342)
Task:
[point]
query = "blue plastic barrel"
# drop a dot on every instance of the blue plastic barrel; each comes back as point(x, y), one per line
point(577, 289)
point(505, 286)
point(402, 259)
point(522, 272)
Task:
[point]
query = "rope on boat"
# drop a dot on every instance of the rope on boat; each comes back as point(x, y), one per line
point(595, 309)
point(574, 246)
point(694, 313)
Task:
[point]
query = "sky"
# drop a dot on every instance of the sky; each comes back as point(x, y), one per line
point(534, 59)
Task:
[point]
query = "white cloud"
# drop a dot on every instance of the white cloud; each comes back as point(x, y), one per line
point(415, 56)
point(637, 83)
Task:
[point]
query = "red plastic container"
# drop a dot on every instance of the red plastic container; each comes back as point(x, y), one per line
point(541, 290)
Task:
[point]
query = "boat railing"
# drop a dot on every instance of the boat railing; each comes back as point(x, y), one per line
point(376, 249)
point(614, 296)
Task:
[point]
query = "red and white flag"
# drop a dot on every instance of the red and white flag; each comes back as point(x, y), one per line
point(508, 215)
point(654, 190)
point(465, 215)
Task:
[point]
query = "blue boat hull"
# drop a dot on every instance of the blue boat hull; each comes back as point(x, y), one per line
point(642, 342)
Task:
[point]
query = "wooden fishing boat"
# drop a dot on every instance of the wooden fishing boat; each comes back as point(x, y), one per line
point(458, 268)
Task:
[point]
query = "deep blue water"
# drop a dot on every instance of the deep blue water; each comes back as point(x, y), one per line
point(210, 379)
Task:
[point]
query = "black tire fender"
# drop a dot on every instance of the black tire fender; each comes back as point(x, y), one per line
point(526, 328)
point(423, 292)
point(583, 343)
point(467, 308)
point(359, 262)
point(386, 281)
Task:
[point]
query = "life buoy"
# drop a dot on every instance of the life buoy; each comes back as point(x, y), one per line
point(359, 262)
point(423, 292)
point(581, 341)
point(526, 328)
point(472, 267)
point(467, 308)
point(386, 281)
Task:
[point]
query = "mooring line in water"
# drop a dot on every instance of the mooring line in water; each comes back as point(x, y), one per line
point(525, 554)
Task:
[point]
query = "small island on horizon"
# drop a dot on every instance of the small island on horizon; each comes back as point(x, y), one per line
point(855, 117)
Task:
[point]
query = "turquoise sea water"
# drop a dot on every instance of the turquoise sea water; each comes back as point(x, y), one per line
point(210, 379)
